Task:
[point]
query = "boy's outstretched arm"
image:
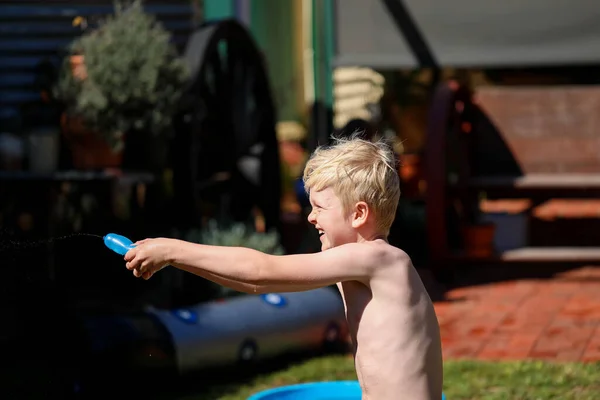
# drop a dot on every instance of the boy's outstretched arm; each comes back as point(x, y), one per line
point(246, 287)
point(246, 266)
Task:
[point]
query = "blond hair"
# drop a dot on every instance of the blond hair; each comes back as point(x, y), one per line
point(358, 170)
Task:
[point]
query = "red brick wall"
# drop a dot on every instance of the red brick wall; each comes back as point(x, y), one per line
point(547, 129)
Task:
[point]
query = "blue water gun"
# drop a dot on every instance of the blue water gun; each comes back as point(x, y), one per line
point(117, 243)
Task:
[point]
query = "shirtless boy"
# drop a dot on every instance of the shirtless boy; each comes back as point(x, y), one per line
point(354, 189)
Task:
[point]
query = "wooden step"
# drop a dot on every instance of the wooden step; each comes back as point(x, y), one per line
point(549, 185)
point(543, 254)
point(539, 255)
point(539, 181)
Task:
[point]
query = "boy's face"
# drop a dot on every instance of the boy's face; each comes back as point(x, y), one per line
point(329, 217)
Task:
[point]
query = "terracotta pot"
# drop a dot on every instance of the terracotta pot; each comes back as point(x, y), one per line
point(478, 239)
point(411, 175)
point(88, 150)
point(78, 68)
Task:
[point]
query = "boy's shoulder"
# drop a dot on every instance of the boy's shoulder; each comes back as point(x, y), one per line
point(382, 254)
point(391, 264)
point(386, 249)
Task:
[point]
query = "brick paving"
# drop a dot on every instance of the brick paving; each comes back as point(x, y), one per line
point(548, 319)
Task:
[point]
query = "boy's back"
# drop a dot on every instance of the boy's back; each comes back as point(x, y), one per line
point(395, 333)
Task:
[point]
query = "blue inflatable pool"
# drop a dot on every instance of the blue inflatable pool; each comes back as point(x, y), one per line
point(339, 390)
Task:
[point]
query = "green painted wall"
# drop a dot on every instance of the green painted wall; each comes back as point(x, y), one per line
point(218, 9)
point(323, 42)
point(272, 24)
point(274, 28)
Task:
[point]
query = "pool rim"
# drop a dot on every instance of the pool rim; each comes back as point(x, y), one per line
point(265, 393)
point(262, 395)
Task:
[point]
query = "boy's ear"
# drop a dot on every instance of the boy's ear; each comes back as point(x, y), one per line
point(361, 213)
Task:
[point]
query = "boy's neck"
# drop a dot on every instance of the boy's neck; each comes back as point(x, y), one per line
point(371, 237)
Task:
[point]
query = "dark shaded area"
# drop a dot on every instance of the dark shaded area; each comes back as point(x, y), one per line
point(227, 122)
point(321, 125)
point(489, 153)
point(363, 128)
point(554, 75)
point(565, 232)
point(408, 231)
point(73, 320)
point(50, 293)
point(40, 329)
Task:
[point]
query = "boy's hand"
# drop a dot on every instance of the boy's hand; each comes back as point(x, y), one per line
point(148, 257)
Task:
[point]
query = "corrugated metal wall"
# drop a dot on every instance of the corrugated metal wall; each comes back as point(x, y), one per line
point(357, 92)
point(34, 31)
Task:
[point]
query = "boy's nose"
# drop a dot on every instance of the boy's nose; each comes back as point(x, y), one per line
point(311, 218)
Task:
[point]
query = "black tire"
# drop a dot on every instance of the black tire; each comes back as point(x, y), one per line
point(229, 119)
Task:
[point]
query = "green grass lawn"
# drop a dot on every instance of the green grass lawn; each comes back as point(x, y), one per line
point(529, 380)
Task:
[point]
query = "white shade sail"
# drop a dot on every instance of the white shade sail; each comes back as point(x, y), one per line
point(470, 33)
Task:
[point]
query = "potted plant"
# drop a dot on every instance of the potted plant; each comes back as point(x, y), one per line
point(121, 83)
